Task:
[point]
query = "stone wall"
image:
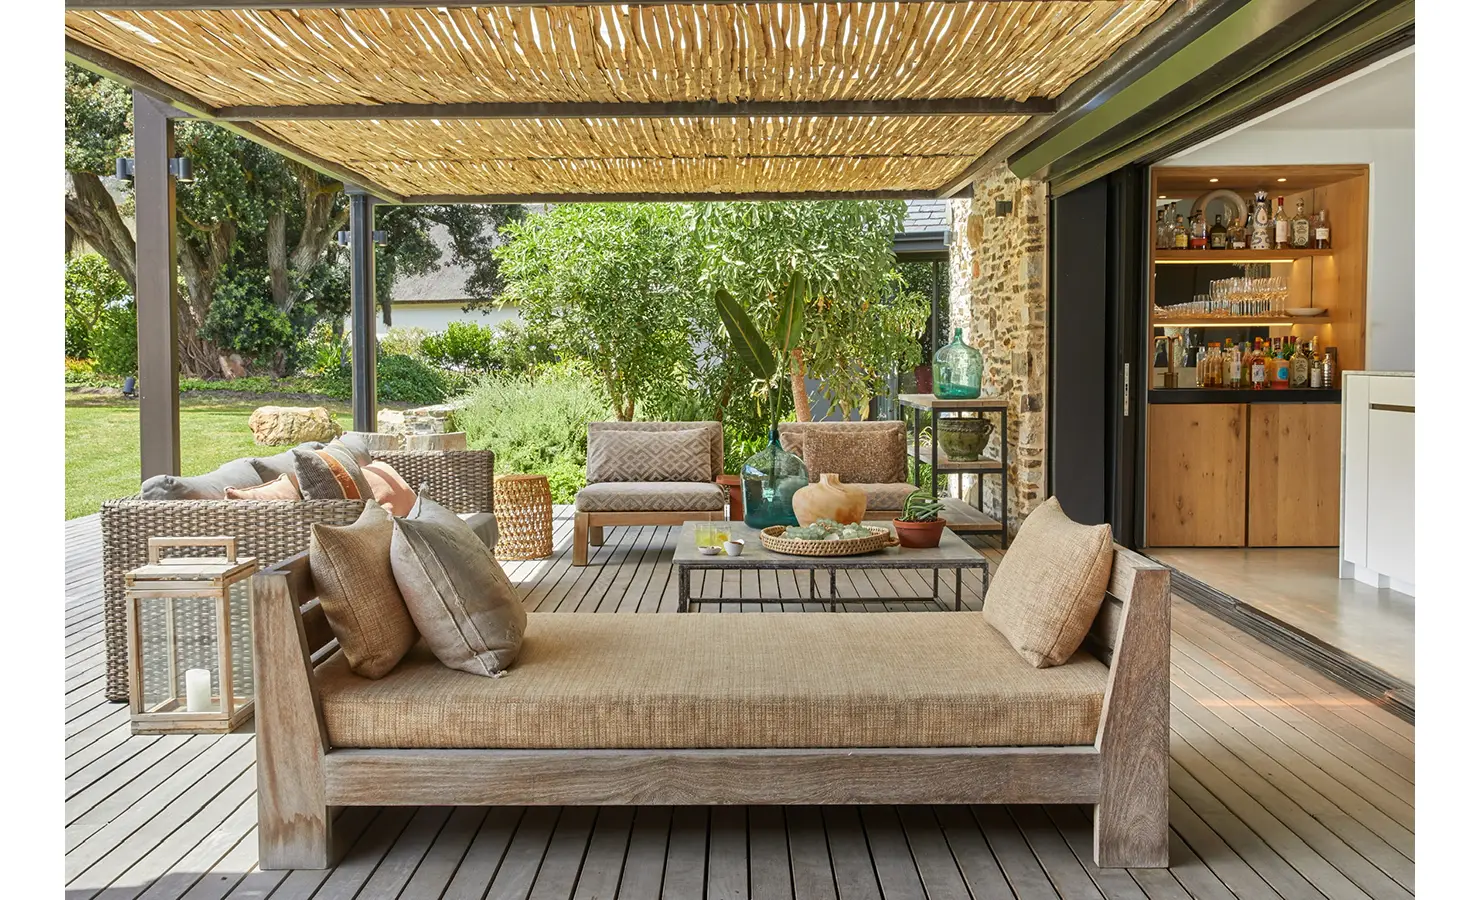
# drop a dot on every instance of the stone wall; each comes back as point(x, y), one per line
point(999, 297)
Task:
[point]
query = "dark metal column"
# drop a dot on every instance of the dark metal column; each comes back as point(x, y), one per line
point(157, 289)
point(362, 307)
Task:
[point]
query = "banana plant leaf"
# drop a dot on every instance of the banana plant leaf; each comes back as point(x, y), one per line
point(793, 308)
point(752, 349)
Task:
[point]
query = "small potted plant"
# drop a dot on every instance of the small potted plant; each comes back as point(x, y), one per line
point(919, 524)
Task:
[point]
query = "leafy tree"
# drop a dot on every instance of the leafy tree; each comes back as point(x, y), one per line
point(249, 213)
point(607, 283)
point(859, 325)
point(92, 290)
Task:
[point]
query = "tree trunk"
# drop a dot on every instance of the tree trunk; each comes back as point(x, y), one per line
point(277, 260)
point(321, 222)
point(92, 215)
point(200, 266)
point(799, 387)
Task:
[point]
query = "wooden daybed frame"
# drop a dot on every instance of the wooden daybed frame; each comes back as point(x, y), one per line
point(301, 778)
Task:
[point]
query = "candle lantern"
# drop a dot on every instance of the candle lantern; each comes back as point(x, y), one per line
point(190, 638)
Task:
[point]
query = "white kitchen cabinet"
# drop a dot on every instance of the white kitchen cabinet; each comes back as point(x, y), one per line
point(1377, 487)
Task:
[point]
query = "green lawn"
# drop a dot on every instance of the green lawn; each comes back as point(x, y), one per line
point(103, 443)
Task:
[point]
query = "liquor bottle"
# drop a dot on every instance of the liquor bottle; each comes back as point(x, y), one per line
point(1164, 228)
point(1259, 236)
point(1299, 367)
point(1281, 226)
point(1198, 239)
point(1237, 236)
point(1246, 378)
point(1316, 377)
point(1202, 366)
point(1218, 236)
point(1280, 380)
point(1300, 227)
point(1258, 368)
point(1232, 365)
point(1323, 231)
point(1179, 234)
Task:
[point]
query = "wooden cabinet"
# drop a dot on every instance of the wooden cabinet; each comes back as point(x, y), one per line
point(1294, 474)
point(1196, 484)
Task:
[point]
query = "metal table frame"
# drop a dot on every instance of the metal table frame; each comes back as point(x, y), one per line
point(918, 404)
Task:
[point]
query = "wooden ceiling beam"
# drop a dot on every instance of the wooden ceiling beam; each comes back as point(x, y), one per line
point(661, 197)
point(703, 109)
point(180, 5)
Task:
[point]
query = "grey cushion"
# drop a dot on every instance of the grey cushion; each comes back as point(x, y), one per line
point(210, 486)
point(459, 597)
point(484, 525)
point(270, 468)
point(316, 480)
point(358, 445)
point(651, 496)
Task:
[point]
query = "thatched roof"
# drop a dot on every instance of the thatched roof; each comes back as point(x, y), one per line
point(536, 101)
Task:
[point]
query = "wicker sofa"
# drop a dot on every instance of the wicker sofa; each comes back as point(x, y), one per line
point(644, 496)
point(885, 498)
point(461, 480)
point(755, 708)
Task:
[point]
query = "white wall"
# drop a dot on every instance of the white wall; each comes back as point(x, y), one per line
point(1389, 152)
point(432, 317)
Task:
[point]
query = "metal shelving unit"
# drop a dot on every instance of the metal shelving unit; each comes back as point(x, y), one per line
point(961, 516)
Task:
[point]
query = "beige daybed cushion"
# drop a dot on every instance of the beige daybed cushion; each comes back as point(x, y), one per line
point(670, 680)
point(650, 496)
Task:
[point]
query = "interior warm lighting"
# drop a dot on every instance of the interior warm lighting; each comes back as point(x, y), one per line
point(1233, 262)
point(1282, 179)
point(1213, 180)
point(1161, 196)
point(1213, 322)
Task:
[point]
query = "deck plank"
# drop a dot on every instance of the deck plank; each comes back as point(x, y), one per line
point(1284, 786)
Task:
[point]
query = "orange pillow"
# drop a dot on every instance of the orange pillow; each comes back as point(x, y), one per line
point(390, 490)
point(280, 488)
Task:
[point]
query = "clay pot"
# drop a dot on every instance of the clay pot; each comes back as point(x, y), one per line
point(919, 535)
point(963, 440)
point(829, 498)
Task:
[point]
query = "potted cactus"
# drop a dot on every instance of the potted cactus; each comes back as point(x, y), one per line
point(919, 524)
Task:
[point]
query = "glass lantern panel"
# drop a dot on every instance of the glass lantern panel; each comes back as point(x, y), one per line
point(178, 635)
point(240, 628)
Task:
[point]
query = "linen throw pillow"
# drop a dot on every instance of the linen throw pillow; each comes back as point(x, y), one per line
point(647, 456)
point(389, 489)
point(351, 567)
point(329, 474)
point(858, 457)
point(1048, 588)
point(458, 595)
point(280, 488)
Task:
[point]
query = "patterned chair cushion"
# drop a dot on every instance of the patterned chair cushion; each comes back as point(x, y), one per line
point(888, 497)
point(613, 456)
point(651, 496)
point(712, 431)
point(860, 452)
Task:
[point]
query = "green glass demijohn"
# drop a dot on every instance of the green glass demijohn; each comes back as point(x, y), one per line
point(768, 480)
point(958, 370)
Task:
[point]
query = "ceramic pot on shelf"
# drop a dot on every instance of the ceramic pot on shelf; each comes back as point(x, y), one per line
point(829, 498)
point(963, 439)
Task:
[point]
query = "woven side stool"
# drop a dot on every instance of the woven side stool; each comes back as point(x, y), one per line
point(521, 504)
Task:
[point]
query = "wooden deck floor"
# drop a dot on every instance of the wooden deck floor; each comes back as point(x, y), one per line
point(1284, 786)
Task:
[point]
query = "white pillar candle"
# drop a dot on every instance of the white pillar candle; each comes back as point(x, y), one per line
point(197, 690)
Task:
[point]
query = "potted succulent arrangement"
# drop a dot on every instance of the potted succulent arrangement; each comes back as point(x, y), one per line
point(919, 524)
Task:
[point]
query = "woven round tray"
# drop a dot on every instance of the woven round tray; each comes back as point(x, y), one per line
point(771, 539)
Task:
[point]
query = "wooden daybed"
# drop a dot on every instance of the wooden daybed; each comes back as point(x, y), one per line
point(779, 708)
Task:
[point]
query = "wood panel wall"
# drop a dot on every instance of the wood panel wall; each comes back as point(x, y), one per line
point(1294, 475)
point(1196, 457)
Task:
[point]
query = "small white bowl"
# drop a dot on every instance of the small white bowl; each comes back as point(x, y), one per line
point(709, 551)
point(1305, 310)
point(735, 547)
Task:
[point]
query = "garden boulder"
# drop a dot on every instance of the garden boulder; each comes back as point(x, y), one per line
point(277, 425)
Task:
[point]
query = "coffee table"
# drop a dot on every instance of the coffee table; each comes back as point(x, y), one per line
point(952, 554)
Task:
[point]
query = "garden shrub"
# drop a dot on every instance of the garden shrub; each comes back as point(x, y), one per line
point(467, 346)
point(82, 371)
point(404, 342)
point(115, 342)
point(244, 318)
point(535, 424)
point(92, 291)
point(405, 379)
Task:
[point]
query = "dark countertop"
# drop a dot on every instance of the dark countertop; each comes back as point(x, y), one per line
point(1240, 395)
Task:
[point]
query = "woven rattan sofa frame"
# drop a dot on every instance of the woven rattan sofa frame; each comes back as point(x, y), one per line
point(301, 778)
point(461, 480)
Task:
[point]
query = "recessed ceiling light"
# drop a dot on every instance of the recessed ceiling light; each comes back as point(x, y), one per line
point(1213, 180)
point(1282, 179)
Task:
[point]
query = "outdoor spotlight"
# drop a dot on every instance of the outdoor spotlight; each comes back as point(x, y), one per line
point(1004, 208)
point(182, 168)
point(123, 167)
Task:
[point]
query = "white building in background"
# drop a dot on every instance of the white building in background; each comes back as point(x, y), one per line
point(432, 300)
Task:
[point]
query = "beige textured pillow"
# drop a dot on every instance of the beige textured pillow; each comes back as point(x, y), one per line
point(647, 456)
point(458, 595)
point(1049, 585)
point(859, 457)
point(351, 567)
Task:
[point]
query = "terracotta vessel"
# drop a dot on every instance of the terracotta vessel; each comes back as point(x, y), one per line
point(829, 498)
point(919, 535)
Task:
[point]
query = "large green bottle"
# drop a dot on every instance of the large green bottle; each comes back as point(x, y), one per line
point(958, 370)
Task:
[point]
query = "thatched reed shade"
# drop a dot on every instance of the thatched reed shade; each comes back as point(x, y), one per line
point(727, 53)
point(645, 155)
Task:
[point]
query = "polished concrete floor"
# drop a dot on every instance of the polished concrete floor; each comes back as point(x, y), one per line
point(1300, 587)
